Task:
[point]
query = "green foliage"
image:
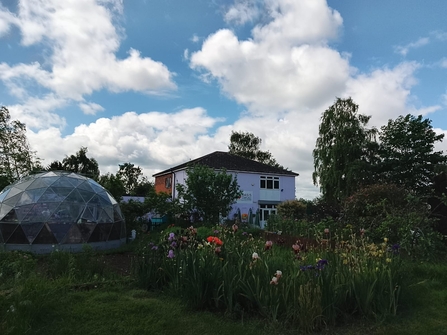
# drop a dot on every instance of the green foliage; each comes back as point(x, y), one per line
point(247, 145)
point(80, 163)
point(132, 211)
point(134, 181)
point(387, 210)
point(292, 209)
point(16, 157)
point(407, 153)
point(244, 276)
point(344, 150)
point(113, 184)
point(208, 193)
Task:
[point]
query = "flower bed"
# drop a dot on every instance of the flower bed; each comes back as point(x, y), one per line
point(235, 273)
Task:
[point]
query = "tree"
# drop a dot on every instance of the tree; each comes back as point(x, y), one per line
point(80, 163)
point(407, 153)
point(208, 193)
point(113, 184)
point(132, 177)
point(247, 145)
point(344, 150)
point(16, 157)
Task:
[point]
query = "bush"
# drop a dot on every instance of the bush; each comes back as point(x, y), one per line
point(292, 210)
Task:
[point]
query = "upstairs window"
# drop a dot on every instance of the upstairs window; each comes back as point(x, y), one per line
point(168, 181)
point(269, 183)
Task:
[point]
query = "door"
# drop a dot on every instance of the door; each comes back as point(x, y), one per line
point(264, 213)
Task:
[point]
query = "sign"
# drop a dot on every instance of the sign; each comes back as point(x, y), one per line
point(246, 198)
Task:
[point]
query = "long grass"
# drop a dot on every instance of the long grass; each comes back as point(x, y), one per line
point(74, 294)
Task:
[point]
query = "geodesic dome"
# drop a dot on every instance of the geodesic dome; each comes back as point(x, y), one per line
point(59, 209)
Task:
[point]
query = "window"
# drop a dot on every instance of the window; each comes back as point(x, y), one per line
point(269, 183)
point(168, 181)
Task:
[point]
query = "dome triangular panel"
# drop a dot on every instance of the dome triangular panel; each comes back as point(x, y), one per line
point(18, 236)
point(32, 230)
point(7, 230)
point(45, 236)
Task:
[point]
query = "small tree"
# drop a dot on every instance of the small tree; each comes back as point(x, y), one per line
point(208, 193)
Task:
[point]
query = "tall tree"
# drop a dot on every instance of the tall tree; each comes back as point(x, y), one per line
point(407, 153)
point(80, 163)
point(131, 176)
point(16, 157)
point(247, 145)
point(343, 151)
point(208, 193)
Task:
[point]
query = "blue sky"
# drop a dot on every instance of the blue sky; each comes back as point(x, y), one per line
point(157, 83)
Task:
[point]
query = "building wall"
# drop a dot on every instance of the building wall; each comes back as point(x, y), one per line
point(160, 183)
point(250, 184)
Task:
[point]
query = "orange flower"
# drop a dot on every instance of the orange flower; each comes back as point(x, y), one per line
point(215, 240)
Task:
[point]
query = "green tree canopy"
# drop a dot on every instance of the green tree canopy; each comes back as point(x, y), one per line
point(132, 177)
point(16, 157)
point(80, 163)
point(113, 184)
point(208, 193)
point(247, 145)
point(407, 153)
point(344, 150)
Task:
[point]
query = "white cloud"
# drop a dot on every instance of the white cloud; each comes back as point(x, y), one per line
point(147, 139)
point(6, 19)
point(195, 38)
point(403, 50)
point(91, 108)
point(242, 11)
point(82, 42)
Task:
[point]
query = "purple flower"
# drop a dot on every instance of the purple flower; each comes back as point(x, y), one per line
point(154, 247)
point(245, 233)
point(174, 244)
point(321, 264)
point(395, 248)
point(216, 232)
point(171, 254)
point(171, 237)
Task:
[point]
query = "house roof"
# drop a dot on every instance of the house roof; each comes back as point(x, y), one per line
point(230, 162)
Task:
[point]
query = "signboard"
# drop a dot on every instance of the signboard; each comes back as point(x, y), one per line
point(246, 198)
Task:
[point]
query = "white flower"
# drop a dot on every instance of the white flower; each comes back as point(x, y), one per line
point(278, 274)
point(255, 256)
point(274, 281)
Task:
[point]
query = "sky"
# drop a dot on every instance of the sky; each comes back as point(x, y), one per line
point(159, 82)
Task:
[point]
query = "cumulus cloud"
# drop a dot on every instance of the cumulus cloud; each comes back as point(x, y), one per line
point(146, 139)
point(82, 42)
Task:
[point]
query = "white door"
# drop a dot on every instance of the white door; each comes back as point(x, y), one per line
point(264, 213)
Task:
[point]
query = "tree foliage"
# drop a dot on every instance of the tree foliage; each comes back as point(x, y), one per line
point(134, 181)
point(16, 157)
point(407, 153)
point(344, 150)
point(113, 184)
point(208, 193)
point(80, 163)
point(247, 145)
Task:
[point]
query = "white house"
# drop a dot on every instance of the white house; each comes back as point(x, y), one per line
point(263, 186)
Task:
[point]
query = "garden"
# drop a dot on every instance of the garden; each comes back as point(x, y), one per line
point(325, 277)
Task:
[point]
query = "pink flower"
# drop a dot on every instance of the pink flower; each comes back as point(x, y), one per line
point(268, 245)
point(326, 230)
point(274, 281)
